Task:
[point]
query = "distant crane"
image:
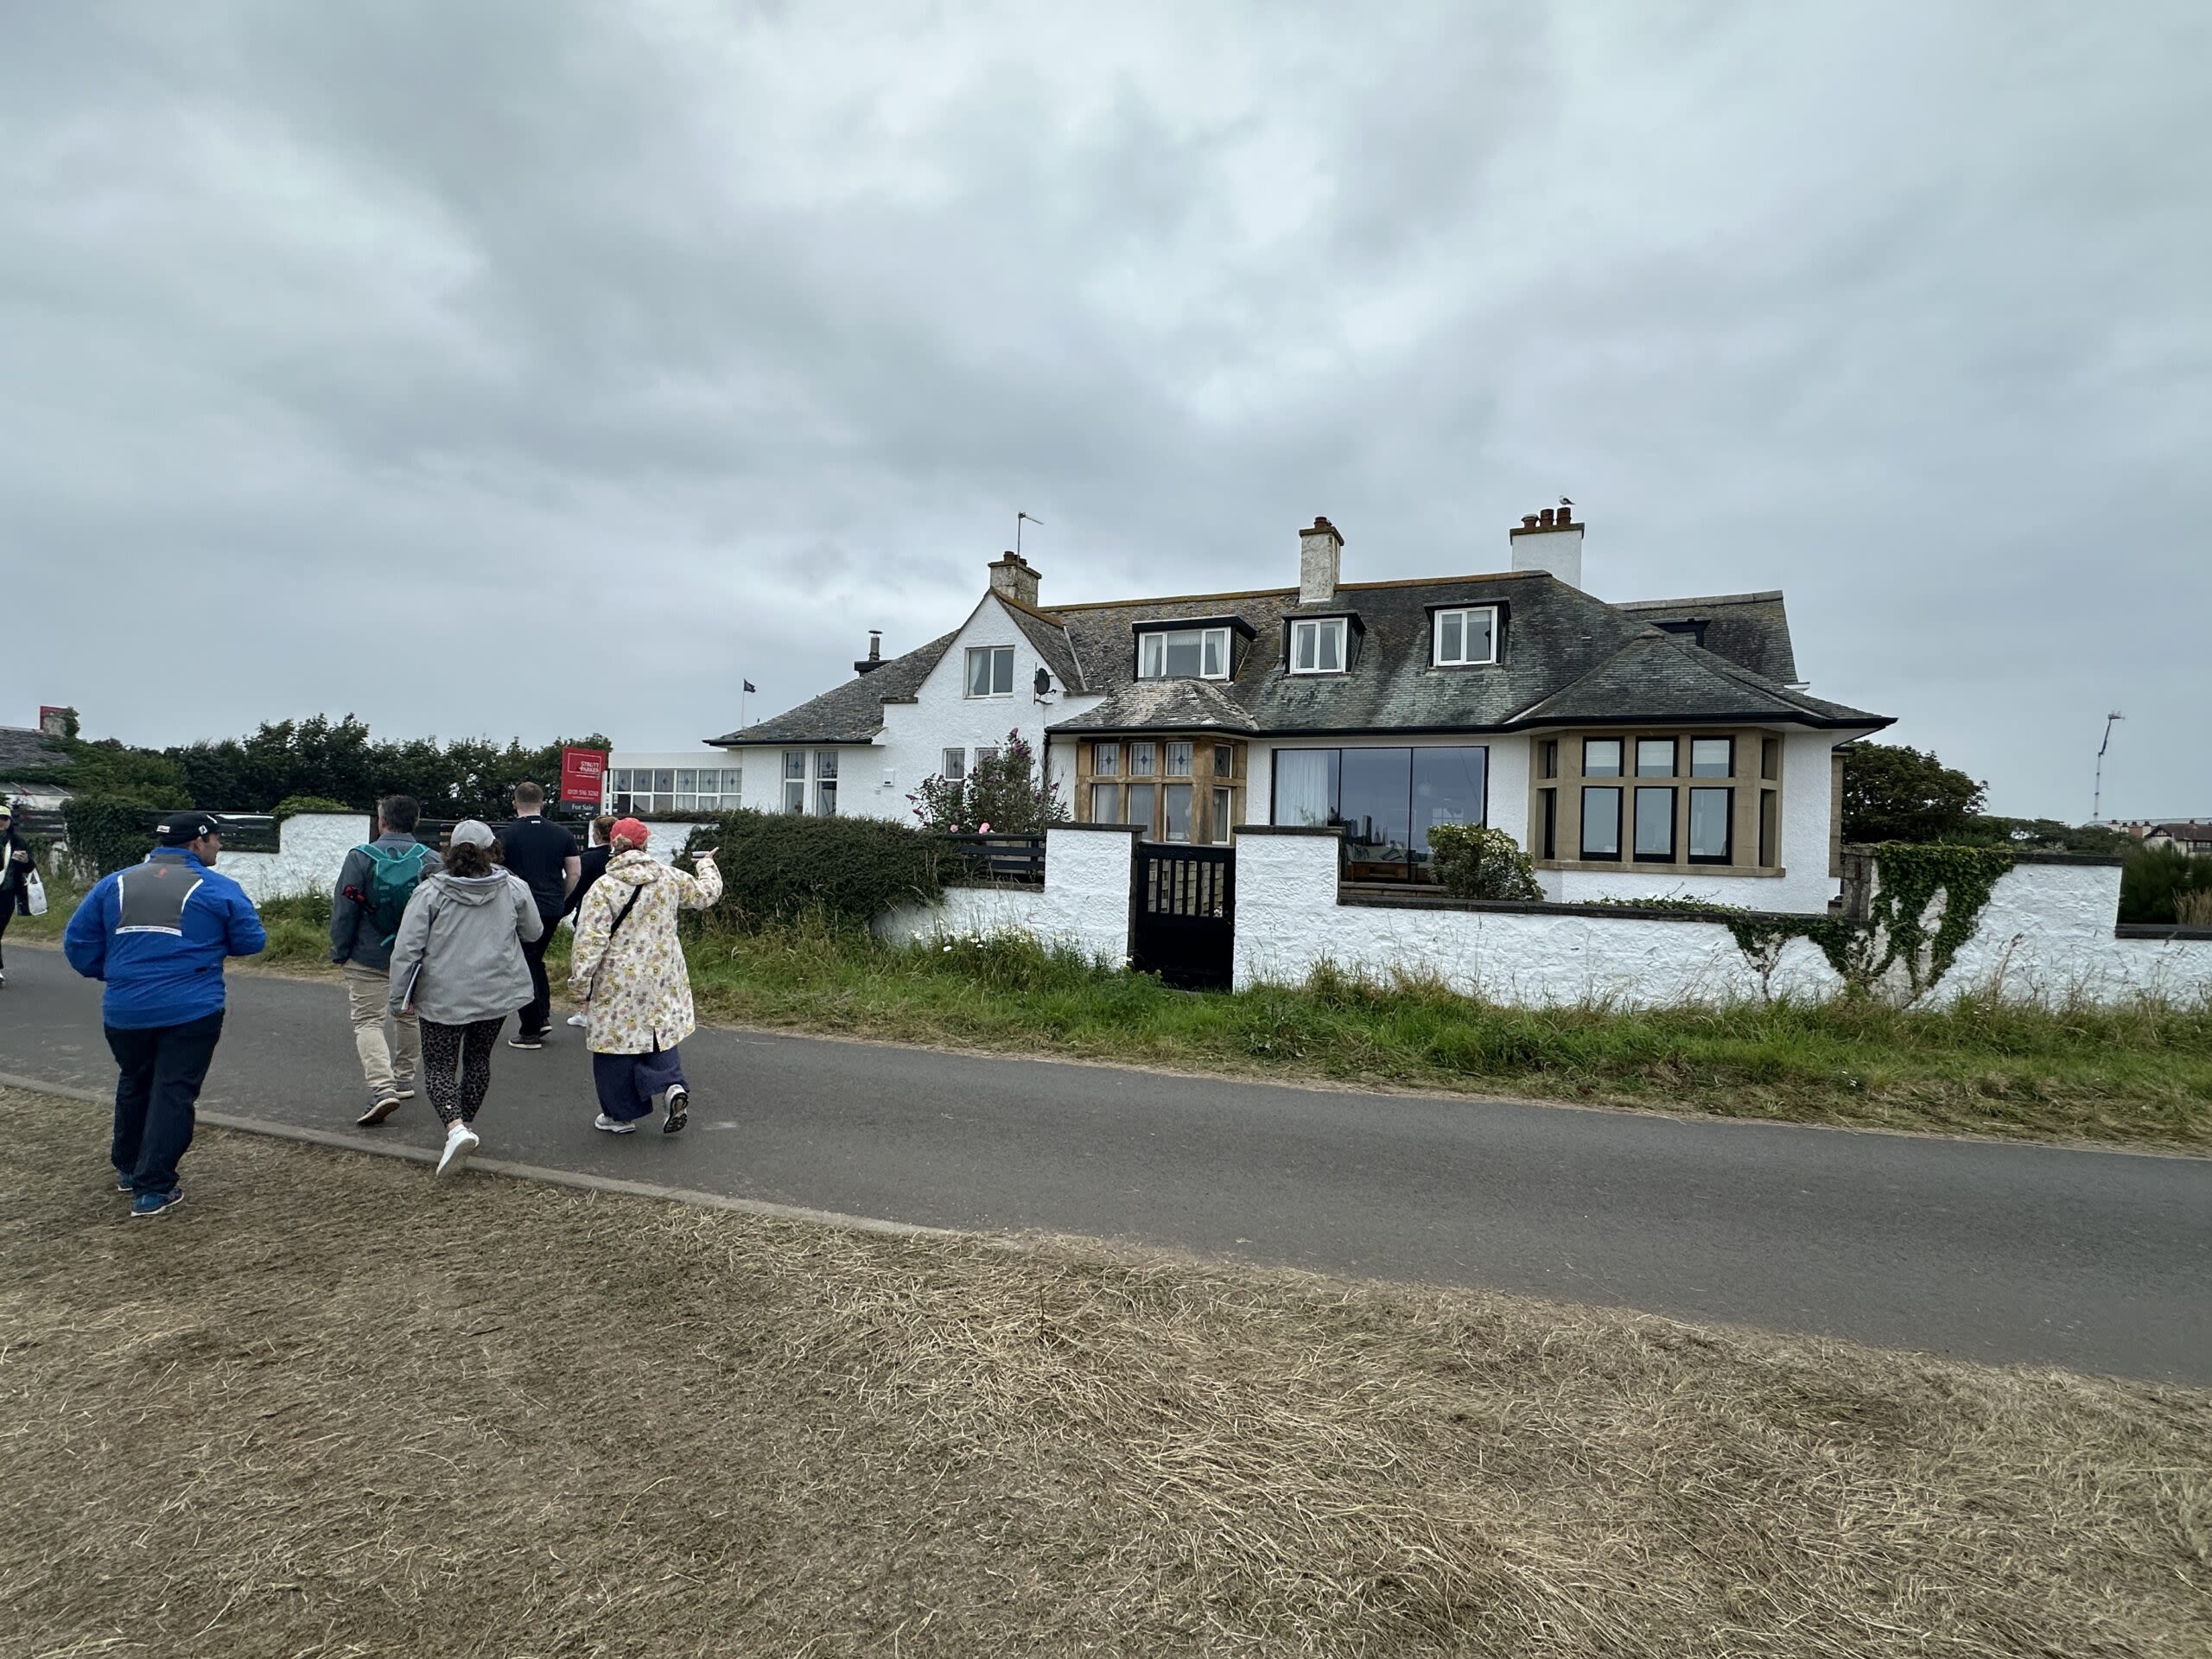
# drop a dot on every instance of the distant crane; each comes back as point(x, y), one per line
point(2097, 801)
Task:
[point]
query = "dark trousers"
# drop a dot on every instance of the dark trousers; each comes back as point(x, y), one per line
point(457, 1066)
point(627, 1083)
point(538, 1012)
point(160, 1070)
point(7, 915)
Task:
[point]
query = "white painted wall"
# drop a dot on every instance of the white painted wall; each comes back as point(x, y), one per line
point(313, 846)
point(1084, 906)
point(876, 780)
point(2047, 934)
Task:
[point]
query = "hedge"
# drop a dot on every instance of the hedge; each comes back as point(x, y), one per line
point(108, 832)
point(779, 867)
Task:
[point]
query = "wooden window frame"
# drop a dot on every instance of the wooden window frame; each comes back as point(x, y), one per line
point(1205, 779)
point(1755, 818)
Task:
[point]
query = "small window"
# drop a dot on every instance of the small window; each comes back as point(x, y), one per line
point(1106, 803)
point(1179, 760)
point(955, 768)
point(1143, 760)
point(1655, 756)
point(825, 763)
point(618, 781)
point(795, 795)
point(1549, 757)
point(1601, 757)
point(1224, 760)
point(1654, 825)
point(664, 782)
point(990, 671)
point(1106, 759)
point(687, 781)
point(794, 764)
point(1466, 638)
point(1176, 801)
point(825, 800)
point(1183, 654)
point(1770, 759)
point(1223, 810)
point(1549, 839)
point(1770, 827)
point(1317, 645)
point(1711, 809)
point(1139, 799)
point(1601, 824)
point(984, 756)
point(1713, 757)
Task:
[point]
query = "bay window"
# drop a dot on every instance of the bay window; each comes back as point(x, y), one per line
point(1171, 789)
point(1677, 800)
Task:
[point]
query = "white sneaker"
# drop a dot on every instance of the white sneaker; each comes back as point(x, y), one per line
point(580, 1020)
point(460, 1140)
point(603, 1122)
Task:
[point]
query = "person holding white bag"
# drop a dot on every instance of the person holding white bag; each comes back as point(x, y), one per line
point(20, 889)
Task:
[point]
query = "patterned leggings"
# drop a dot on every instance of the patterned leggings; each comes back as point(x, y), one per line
point(468, 1047)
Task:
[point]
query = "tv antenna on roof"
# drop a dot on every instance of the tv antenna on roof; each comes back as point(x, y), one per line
point(2097, 800)
point(1021, 518)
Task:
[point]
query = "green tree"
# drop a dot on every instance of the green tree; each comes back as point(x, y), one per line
point(1894, 793)
point(1009, 791)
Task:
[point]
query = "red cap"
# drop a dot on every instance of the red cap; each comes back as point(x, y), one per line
point(629, 829)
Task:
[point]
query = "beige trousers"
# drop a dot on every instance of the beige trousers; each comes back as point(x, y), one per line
point(385, 1067)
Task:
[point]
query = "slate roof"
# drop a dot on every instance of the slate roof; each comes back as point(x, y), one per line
point(1568, 657)
point(851, 713)
point(24, 748)
point(1752, 629)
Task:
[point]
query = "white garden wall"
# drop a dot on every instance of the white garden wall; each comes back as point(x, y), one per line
point(1083, 905)
point(314, 845)
point(2047, 933)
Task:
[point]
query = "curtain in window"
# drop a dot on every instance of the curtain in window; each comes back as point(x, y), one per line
point(1303, 794)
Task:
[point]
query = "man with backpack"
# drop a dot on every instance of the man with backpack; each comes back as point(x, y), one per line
point(374, 885)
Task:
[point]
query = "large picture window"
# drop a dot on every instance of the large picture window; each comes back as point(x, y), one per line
point(1387, 799)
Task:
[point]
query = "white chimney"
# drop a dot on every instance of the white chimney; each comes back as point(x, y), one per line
point(1320, 554)
point(1550, 540)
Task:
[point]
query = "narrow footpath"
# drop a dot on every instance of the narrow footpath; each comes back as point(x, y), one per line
point(2099, 1261)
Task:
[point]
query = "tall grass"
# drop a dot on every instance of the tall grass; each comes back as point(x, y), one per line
point(2136, 1072)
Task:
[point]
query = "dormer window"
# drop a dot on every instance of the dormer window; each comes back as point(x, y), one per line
point(1183, 654)
point(1317, 644)
point(1465, 637)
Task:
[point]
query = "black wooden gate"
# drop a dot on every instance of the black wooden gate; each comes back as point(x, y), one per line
point(1184, 914)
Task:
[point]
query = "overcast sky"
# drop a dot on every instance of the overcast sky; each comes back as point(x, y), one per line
point(532, 366)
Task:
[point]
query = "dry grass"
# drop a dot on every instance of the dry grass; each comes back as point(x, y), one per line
point(333, 1408)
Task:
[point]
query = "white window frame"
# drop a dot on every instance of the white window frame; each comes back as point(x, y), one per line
point(994, 652)
point(1436, 657)
point(795, 782)
point(1313, 628)
point(1152, 647)
point(952, 766)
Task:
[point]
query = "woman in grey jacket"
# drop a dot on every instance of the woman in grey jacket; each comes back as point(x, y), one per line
point(458, 963)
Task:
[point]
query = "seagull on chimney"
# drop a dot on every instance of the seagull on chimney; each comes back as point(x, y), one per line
point(1564, 502)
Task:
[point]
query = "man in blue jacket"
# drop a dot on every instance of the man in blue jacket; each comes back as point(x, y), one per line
point(157, 934)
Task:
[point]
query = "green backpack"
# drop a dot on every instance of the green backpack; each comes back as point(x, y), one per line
point(393, 874)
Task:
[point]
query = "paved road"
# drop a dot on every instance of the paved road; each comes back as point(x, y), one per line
point(2099, 1261)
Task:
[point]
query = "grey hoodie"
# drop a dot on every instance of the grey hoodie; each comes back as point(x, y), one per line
point(464, 934)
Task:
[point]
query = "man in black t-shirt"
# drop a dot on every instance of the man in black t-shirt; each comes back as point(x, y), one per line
point(545, 856)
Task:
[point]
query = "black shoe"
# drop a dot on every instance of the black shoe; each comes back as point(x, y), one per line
point(377, 1114)
point(679, 1111)
point(527, 1039)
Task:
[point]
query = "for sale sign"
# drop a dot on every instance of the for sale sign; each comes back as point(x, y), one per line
point(583, 774)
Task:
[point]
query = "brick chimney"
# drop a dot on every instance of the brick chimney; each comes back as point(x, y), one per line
point(1550, 540)
point(1320, 557)
point(56, 722)
point(1013, 578)
point(874, 660)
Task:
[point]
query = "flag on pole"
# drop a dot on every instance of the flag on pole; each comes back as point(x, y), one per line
point(750, 686)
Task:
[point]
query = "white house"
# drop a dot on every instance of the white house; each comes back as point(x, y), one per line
point(1654, 749)
point(673, 783)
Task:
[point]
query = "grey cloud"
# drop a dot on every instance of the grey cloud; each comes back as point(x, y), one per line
point(775, 316)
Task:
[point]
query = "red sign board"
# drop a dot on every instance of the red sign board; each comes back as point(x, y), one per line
point(582, 773)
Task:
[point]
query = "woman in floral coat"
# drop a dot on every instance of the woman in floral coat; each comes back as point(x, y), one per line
point(628, 971)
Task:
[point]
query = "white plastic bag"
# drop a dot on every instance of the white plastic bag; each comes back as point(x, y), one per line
point(34, 892)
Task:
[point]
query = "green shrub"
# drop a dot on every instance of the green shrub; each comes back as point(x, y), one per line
point(1476, 862)
point(784, 866)
point(2154, 881)
point(109, 832)
point(293, 805)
